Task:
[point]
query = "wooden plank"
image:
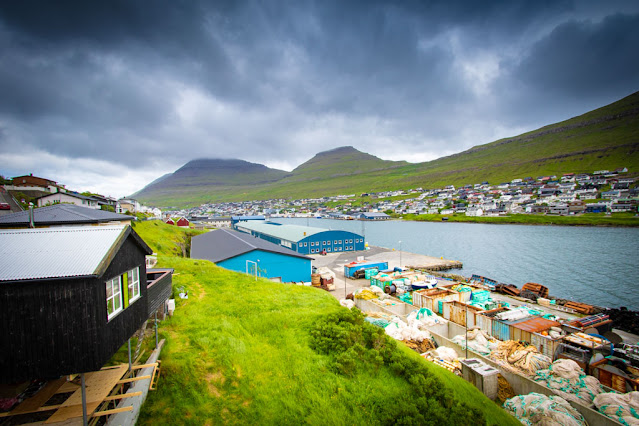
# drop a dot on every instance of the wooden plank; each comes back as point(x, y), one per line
point(112, 367)
point(36, 410)
point(98, 386)
point(68, 387)
point(133, 379)
point(137, 367)
point(154, 380)
point(122, 396)
point(39, 399)
point(112, 411)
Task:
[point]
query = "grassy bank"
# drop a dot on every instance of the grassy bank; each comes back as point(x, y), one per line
point(590, 219)
point(246, 351)
point(166, 239)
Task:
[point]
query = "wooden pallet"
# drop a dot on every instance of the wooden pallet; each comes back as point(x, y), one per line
point(536, 288)
point(582, 308)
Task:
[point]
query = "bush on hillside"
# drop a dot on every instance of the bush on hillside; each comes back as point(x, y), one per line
point(357, 347)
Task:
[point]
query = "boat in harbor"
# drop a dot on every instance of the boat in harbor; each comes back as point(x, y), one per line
point(429, 282)
point(488, 282)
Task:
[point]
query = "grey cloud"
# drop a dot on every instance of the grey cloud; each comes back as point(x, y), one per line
point(584, 57)
point(283, 80)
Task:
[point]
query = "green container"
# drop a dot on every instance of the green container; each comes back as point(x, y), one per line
point(368, 273)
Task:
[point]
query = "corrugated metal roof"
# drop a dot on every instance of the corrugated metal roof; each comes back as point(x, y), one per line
point(62, 214)
point(535, 325)
point(292, 233)
point(223, 244)
point(27, 254)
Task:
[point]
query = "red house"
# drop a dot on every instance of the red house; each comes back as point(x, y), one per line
point(183, 222)
point(170, 221)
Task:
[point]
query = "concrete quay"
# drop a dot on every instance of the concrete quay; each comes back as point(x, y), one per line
point(335, 262)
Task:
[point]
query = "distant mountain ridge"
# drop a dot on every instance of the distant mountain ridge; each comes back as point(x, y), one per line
point(605, 138)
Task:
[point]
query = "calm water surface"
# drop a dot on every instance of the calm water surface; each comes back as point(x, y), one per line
point(587, 264)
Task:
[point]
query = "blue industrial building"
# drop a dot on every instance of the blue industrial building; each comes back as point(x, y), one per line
point(242, 252)
point(236, 219)
point(304, 239)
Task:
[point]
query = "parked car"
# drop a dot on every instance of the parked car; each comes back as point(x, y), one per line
point(5, 206)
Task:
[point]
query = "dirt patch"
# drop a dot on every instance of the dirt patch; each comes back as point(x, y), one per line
point(200, 290)
point(213, 380)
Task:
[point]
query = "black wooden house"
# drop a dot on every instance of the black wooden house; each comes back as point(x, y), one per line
point(70, 297)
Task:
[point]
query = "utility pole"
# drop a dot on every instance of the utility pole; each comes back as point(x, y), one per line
point(466, 331)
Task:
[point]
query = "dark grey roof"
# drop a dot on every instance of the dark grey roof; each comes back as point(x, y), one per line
point(30, 254)
point(71, 194)
point(223, 244)
point(61, 214)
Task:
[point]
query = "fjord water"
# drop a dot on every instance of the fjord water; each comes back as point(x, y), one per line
point(588, 264)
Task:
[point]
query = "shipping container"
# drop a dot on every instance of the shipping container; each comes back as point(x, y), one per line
point(430, 298)
point(500, 330)
point(523, 330)
point(464, 296)
point(371, 272)
point(485, 319)
point(546, 344)
point(460, 313)
point(351, 268)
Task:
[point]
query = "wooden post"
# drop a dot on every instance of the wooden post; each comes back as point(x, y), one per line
point(84, 400)
point(156, 329)
point(130, 364)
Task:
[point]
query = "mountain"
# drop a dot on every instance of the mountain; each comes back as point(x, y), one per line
point(606, 138)
point(203, 175)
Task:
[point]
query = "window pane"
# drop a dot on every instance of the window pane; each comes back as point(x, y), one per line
point(109, 289)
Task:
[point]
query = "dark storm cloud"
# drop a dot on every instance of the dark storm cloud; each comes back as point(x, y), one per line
point(580, 58)
point(279, 81)
point(580, 65)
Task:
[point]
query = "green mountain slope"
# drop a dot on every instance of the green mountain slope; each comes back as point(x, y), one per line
point(203, 176)
point(339, 162)
point(606, 138)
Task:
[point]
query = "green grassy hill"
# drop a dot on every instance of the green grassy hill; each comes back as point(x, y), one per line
point(606, 138)
point(246, 351)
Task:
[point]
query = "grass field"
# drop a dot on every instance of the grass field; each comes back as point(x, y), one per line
point(588, 219)
point(246, 351)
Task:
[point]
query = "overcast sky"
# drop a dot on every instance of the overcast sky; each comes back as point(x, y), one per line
point(109, 95)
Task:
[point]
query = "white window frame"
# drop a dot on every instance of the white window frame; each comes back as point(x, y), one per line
point(116, 292)
point(133, 284)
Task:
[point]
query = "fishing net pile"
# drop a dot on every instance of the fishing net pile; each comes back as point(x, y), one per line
point(623, 408)
point(538, 409)
point(368, 293)
point(519, 358)
point(478, 341)
point(424, 318)
point(399, 330)
point(420, 347)
point(565, 378)
point(380, 319)
point(505, 391)
point(446, 358)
